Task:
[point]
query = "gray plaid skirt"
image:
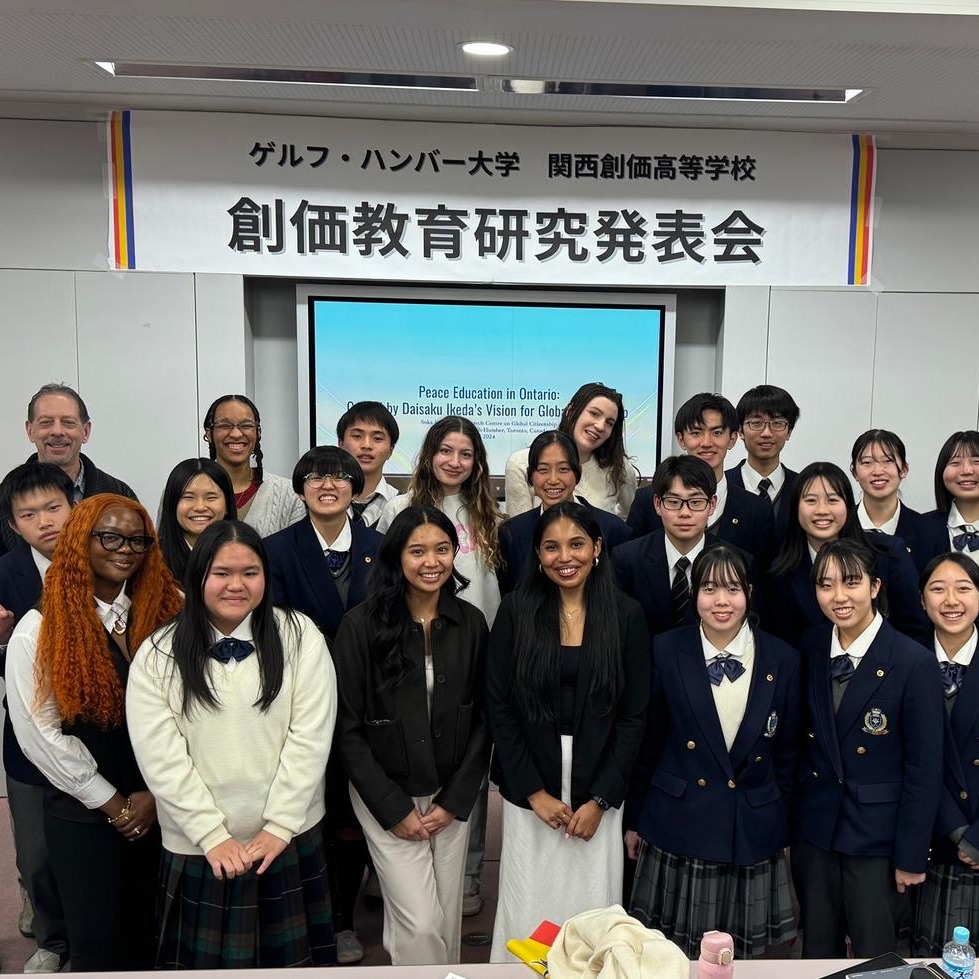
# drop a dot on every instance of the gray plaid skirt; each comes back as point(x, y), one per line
point(278, 920)
point(684, 897)
point(948, 897)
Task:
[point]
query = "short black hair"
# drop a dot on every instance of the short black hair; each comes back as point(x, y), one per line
point(694, 473)
point(554, 437)
point(327, 460)
point(691, 413)
point(767, 399)
point(29, 478)
point(64, 389)
point(369, 411)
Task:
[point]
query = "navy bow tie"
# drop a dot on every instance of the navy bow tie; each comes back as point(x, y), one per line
point(967, 539)
point(952, 676)
point(723, 666)
point(840, 667)
point(335, 560)
point(227, 650)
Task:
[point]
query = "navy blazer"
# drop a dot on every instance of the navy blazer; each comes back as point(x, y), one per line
point(694, 797)
point(20, 591)
point(517, 535)
point(959, 803)
point(923, 537)
point(527, 753)
point(302, 580)
point(781, 507)
point(791, 608)
point(870, 775)
point(643, 572)
point(746, 522)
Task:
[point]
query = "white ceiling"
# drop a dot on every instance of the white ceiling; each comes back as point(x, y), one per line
point(920, 71)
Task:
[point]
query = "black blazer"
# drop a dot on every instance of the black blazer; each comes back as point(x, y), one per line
point(735, 477)
point(959, 802)
point(20, 591)
point(690, 795)
point(870, 774)
point(517, 534)
point(392, 747)
point(644, 573)
point(302, 580)
point(924, 537)
point(527, 754)
point(791, 608)
point(746, 522)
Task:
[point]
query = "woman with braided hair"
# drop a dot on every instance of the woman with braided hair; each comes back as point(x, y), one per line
point(233, 432)
point(67, 664)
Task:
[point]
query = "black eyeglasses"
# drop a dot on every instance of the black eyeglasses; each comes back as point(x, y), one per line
point(696, 505)
point(111, 541)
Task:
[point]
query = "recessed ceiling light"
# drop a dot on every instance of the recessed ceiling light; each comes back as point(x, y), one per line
point(486, 49)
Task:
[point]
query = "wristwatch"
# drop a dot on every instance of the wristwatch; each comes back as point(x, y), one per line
point(603, 804)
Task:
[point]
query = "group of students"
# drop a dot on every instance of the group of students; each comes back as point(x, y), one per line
point(709, 669)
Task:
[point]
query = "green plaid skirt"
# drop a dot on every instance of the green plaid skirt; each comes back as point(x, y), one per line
point(278, 920)
point(684, 897)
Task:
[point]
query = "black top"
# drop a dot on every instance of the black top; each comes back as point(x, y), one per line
point(569, 681)
point(112, 751)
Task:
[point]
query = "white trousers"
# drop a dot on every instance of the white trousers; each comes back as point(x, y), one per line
point(422, 885)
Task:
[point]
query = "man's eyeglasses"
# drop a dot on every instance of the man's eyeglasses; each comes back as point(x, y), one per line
point(697, 505)
point(111, 541)
point(778, 425)
point(316, 481)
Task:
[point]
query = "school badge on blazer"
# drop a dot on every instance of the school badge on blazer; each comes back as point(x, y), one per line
point(771, 725)
point(875, 722)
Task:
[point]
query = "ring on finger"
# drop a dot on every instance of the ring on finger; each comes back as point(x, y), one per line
point(136, 830)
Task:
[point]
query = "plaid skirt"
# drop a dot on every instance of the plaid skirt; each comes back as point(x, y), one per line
point(948, 897)
point(684, 897)
point(281, 919)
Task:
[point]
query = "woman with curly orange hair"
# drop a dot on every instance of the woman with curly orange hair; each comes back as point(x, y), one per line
point(107, 589)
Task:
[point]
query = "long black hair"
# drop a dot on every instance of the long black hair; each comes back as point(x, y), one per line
point(173, 545)
point(796, 544)
point(537, 612)
point(259, 474)
point(386, 603)
point(191, 630)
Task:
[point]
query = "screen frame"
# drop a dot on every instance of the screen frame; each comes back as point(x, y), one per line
point(308, 292)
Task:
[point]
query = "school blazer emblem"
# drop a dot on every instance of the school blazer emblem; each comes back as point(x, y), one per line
point(875, 722)
point(771, 725)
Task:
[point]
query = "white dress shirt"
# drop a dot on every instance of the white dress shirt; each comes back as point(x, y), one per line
point(343, 543)
point(731, 697)
point(63, 759)
point(751, 478)
point(955, 522)
point(673, 555)
point(964, 656)
point(887, 527)
point(858, 648)
point(383, 492)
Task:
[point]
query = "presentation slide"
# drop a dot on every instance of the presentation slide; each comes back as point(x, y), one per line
point(509, 368)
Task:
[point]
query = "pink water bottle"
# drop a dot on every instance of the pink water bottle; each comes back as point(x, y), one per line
point(716, 956)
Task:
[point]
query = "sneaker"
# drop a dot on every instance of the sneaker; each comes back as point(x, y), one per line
point(43, 960)
point(349, 949)
point(472, 904)
point(25, 920)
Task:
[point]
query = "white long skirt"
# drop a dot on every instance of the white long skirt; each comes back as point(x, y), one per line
point(544, 876)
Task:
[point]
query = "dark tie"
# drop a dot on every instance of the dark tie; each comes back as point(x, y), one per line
point(952, 677)
point(969, 538)
point(227, 650)
point(680, 590)
point(764, 485)
point(335, 560)
point(840, 668)
point(723, 666)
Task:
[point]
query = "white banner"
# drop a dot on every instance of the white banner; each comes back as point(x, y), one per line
point(360, 199)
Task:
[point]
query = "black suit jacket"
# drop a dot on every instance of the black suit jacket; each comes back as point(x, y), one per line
point(517, 534)
point(96, 481)
point(746, 522)
point(527, 754)
point(959, 802)
point(302, 580)
point(735, 477)
point(923, 536)
point(20, 591)
point(643, 572)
